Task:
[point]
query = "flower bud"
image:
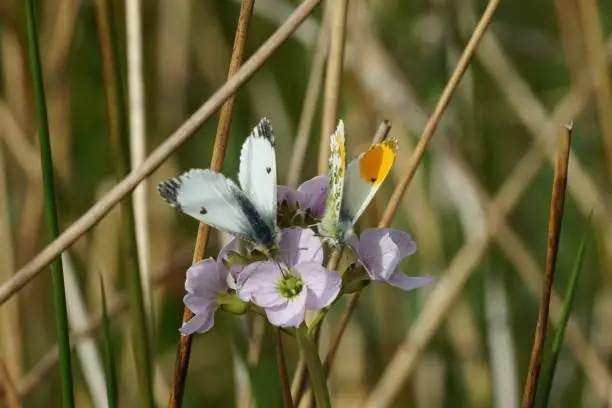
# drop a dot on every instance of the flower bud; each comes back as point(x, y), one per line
point(233, 258)
point(230, 302)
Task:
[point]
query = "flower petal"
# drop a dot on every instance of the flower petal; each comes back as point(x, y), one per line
point(299, 245)
point(258, 283)
point(401, 280)
point(382, 249)
point(206, 277)
point(200, 323)
point(291, 195)
point(322, 286)
point(200, 304)
point(289, 314)
point(314, 192)
point(401, 239)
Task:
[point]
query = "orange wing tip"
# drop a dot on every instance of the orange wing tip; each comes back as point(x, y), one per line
point(375, 164)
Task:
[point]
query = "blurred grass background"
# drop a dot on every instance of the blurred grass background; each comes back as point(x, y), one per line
point(541, 64)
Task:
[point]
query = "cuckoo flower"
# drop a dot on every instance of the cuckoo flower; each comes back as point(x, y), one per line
point(206, 280)
point(380, 251)
point(309, 195)
point(294, 283)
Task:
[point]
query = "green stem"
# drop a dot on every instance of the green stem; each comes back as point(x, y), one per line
point(318, 379)
point(568, 301)
point(59, 294)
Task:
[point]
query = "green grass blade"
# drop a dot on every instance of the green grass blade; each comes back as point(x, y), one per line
point(117, 115)
point(59, 295)
point(549, 369)
point(109, 354)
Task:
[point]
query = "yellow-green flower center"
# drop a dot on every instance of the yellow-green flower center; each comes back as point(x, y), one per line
point(290, 285)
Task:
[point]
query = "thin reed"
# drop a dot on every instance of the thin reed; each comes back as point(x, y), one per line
point(51, 211)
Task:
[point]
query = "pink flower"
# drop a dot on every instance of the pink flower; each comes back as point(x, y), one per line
point(309, 195)
point(380, 251)
point(298, 283)
point(206, 280)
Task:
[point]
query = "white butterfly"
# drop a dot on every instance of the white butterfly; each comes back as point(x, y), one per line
point(212, 198)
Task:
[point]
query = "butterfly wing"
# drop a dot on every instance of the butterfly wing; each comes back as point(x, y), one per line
point(257, 174)
point(216, 200)
point(336, 169)
point(364, 175)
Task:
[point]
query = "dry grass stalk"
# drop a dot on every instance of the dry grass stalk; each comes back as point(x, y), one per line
point(598, 69)
point(138, 144)
point(333, 76)
point(181, 364)
point(11, 348)
point(557, 203)
point(309, 107)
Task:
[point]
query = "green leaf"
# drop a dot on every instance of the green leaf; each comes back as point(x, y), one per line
point(59, 291)
point(548, 370)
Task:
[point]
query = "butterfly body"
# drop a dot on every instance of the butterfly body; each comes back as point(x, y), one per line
point(247, 212)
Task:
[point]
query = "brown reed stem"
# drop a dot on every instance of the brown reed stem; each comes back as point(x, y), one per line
point(430, 128)
point(333, 76)
point(557, 203)
point(282, 368)
point(88, 220)
point(381, 133)
point(181, 364)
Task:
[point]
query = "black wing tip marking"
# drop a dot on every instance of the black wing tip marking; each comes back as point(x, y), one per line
point(169, 191)
point(264, 129)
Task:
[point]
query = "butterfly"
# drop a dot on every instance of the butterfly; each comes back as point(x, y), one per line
point(247, 212)
point(351, 189)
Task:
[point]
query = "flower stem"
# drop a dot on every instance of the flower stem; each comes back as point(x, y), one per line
point(318, 379)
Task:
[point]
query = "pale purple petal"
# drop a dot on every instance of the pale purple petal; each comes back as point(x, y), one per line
point(299, 245)
point(322, 286)
point(206, 278)
point(199, 323)
point(200, 304)
point(289, 314)
point(401, 239)
point(381, 250)
point(401, 280)
point(291, 195)
point(314, 192)
point(258, 283)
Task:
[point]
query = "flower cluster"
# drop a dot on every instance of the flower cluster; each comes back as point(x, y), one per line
point(297, 279)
